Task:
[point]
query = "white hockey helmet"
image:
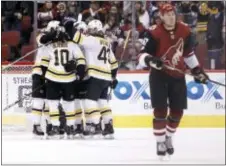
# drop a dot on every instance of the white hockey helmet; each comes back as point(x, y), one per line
point(82, 26)
point(53, 25)
point(95, 25)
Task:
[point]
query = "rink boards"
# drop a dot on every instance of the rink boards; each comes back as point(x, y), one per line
point(130, 100)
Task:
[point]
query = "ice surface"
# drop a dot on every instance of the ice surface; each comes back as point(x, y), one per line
point(130, 146)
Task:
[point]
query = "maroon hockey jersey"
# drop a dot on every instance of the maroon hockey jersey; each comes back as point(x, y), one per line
point(170, 46)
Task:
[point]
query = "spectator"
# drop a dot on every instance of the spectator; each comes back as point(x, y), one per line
point(11, 15)
point(94, 12)
point(189, 13)
point(110, 29)
point(137, 35)
point(84, 5)
point(142, 14)
point(203, 12)
point(214, 34)
point(27, 9)
point(127, 6)
point(72, 9)
point(21, 9)
point(152, 10)
point(61, 11)
point(46, 13)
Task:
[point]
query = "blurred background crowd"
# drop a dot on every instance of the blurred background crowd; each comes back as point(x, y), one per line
point(22, 20)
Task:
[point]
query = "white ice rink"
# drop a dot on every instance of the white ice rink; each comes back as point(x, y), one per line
point(130, 146)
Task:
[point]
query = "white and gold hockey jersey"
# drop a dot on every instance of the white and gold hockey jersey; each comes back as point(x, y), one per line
point(99, 57)
point(57, 55)
point(36, 69)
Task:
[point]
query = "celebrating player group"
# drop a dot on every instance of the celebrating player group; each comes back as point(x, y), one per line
point(71, 77)
point(76, 67)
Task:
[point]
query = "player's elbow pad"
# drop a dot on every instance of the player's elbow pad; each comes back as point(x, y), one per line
point(191, 61)
point(144, 59)
point(81, 71)
point(114, 73)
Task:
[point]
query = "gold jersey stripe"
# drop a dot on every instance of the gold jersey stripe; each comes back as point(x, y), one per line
point(53, 112)
point(114, 66)
point(57, 72)
point(91, 109)
point(45, 62)
point(37, 70)
point(78, 37)
point(81, 62)
point(106, 70)
point(62, 78)
point(70, 113)
point(104, 108)
point(98, 72)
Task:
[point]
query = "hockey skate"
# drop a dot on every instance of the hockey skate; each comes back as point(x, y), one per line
point(161, 150)
point(37, 131)
point(108, 131)
point(169, 145)
point(54, 132)
point(69, 131)
point(92, 129)
point(79, 130)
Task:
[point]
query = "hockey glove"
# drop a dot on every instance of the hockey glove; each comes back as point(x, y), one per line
point(199, 75)
point(49, 36)
point(70, 66)
point(114, 83)
point(61, 36)
point(153, 62)
point(81, 72)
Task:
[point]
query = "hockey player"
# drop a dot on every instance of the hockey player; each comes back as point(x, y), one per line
point(39, 95)
point(39, 104)
point(101, 69)
point(63, 60)
point(80, 89)
point(169, 44)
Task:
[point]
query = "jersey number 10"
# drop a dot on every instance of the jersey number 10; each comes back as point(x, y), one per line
point(104, 52)
point(61, 56)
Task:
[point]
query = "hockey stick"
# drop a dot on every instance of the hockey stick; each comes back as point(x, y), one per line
point(182, 72)
point(29, 53)
point(120, 59)
point(26, 95)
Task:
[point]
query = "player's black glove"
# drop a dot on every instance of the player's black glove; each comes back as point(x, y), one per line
point(61, 36)
point(81, 72)
point(199, 75)
point(114, 83)
point(153, 62)
point(70, 66)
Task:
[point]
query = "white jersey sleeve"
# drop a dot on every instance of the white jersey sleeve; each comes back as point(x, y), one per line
point(99, 56)
point(58, 55)
point(36, 69)
point(113, 61)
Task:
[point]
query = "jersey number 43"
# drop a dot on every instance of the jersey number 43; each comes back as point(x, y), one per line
point(103, 55)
